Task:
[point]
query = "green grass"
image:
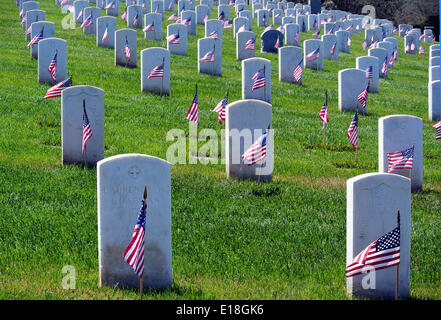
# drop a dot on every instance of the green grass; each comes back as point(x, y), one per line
point(232, 239)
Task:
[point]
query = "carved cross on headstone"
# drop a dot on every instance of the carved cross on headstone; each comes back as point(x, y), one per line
point(134, 172)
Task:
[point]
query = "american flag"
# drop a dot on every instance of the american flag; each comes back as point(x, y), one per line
point(316, 35)
point(127, 50)
point(149, 27)
point(220, 109)
point(421, 51)
point(412, 46)
point(298, 70)
point(36, 39)
point(174, 38)
point(384, 66)
point(143, 6)
point(277, 44)
point(80, 15)
point(209, 57)
point(270, 27)
point(28, 31)
point(395, 54)
point(241, 29)
point(135, 20)
point(213, 35)
point(250, 44)
point(280, 29)
point(353, 131)
point(23, 20)
point(221, 16)
point(264, 20)
point(391, 60)
point(105, 36)
point(134, 253)
point(373, 44)
point(257, 151)
point(173, 17)
point(53, 67)
point(111, 5)
point(170, 6)
point(350, 28)
point(349, 42)
point(334, 46)
point(228, 24)
point(296, 37)
point(370, 72)
point(407, 48)
point(206, 18)
point(362, 97)
point(193, 112)
point(380, 254)
point(157, 72)
point(402, 159)
point(87, 22)
point(315, 25)
point(437, 126)
point(124, 15)
point(186, 21)
point(87, 130)
point(157, 9)
point(55, 91)
point(259, 79)
point(21, 13)
point(314, 55)
point(323, 115)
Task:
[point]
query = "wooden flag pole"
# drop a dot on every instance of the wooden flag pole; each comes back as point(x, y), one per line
point(264, 87)
point(356, 148)
point(398, 265)
point(162, 78)
point(142, 275)
point(324, 124)
point(84, 152)
point(127, 59)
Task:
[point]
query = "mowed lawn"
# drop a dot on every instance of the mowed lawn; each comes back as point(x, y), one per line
point(232, 239)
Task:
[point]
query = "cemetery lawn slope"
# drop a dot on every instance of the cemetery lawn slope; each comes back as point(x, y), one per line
point(231, 239)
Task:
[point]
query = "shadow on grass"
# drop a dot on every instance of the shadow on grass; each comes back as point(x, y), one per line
point(327, 147)
point(174, 292)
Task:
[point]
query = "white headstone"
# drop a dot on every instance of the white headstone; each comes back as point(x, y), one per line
point(134, 17)
point(372, 205)
point(72, 124)
point(289, 58)
point(95, 13)
point(292, 34)
point(310, 46)
point(202, 12)
point(152, 58)
point(351, 82)
point(434, 74)
point(249, 16)
point(102, 24)
point(180, 31)
point(397, 133)
point(249, 69)
point(31, 17)
point(330, 49)
point(381, 54)
point(246, 121)
point(434, 101)
point(47, 48)
point(213, 25)
point(242, 51)
point(154, 23)
point(79, 5)
point(48, 32)
point(210, 45)
point(120, 187)
point(113, 9)
point(363, 63)
point(123, 38)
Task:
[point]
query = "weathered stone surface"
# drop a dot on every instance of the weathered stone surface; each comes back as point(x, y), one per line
point(120, 188)
point(372, 203)
point(72, 124)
